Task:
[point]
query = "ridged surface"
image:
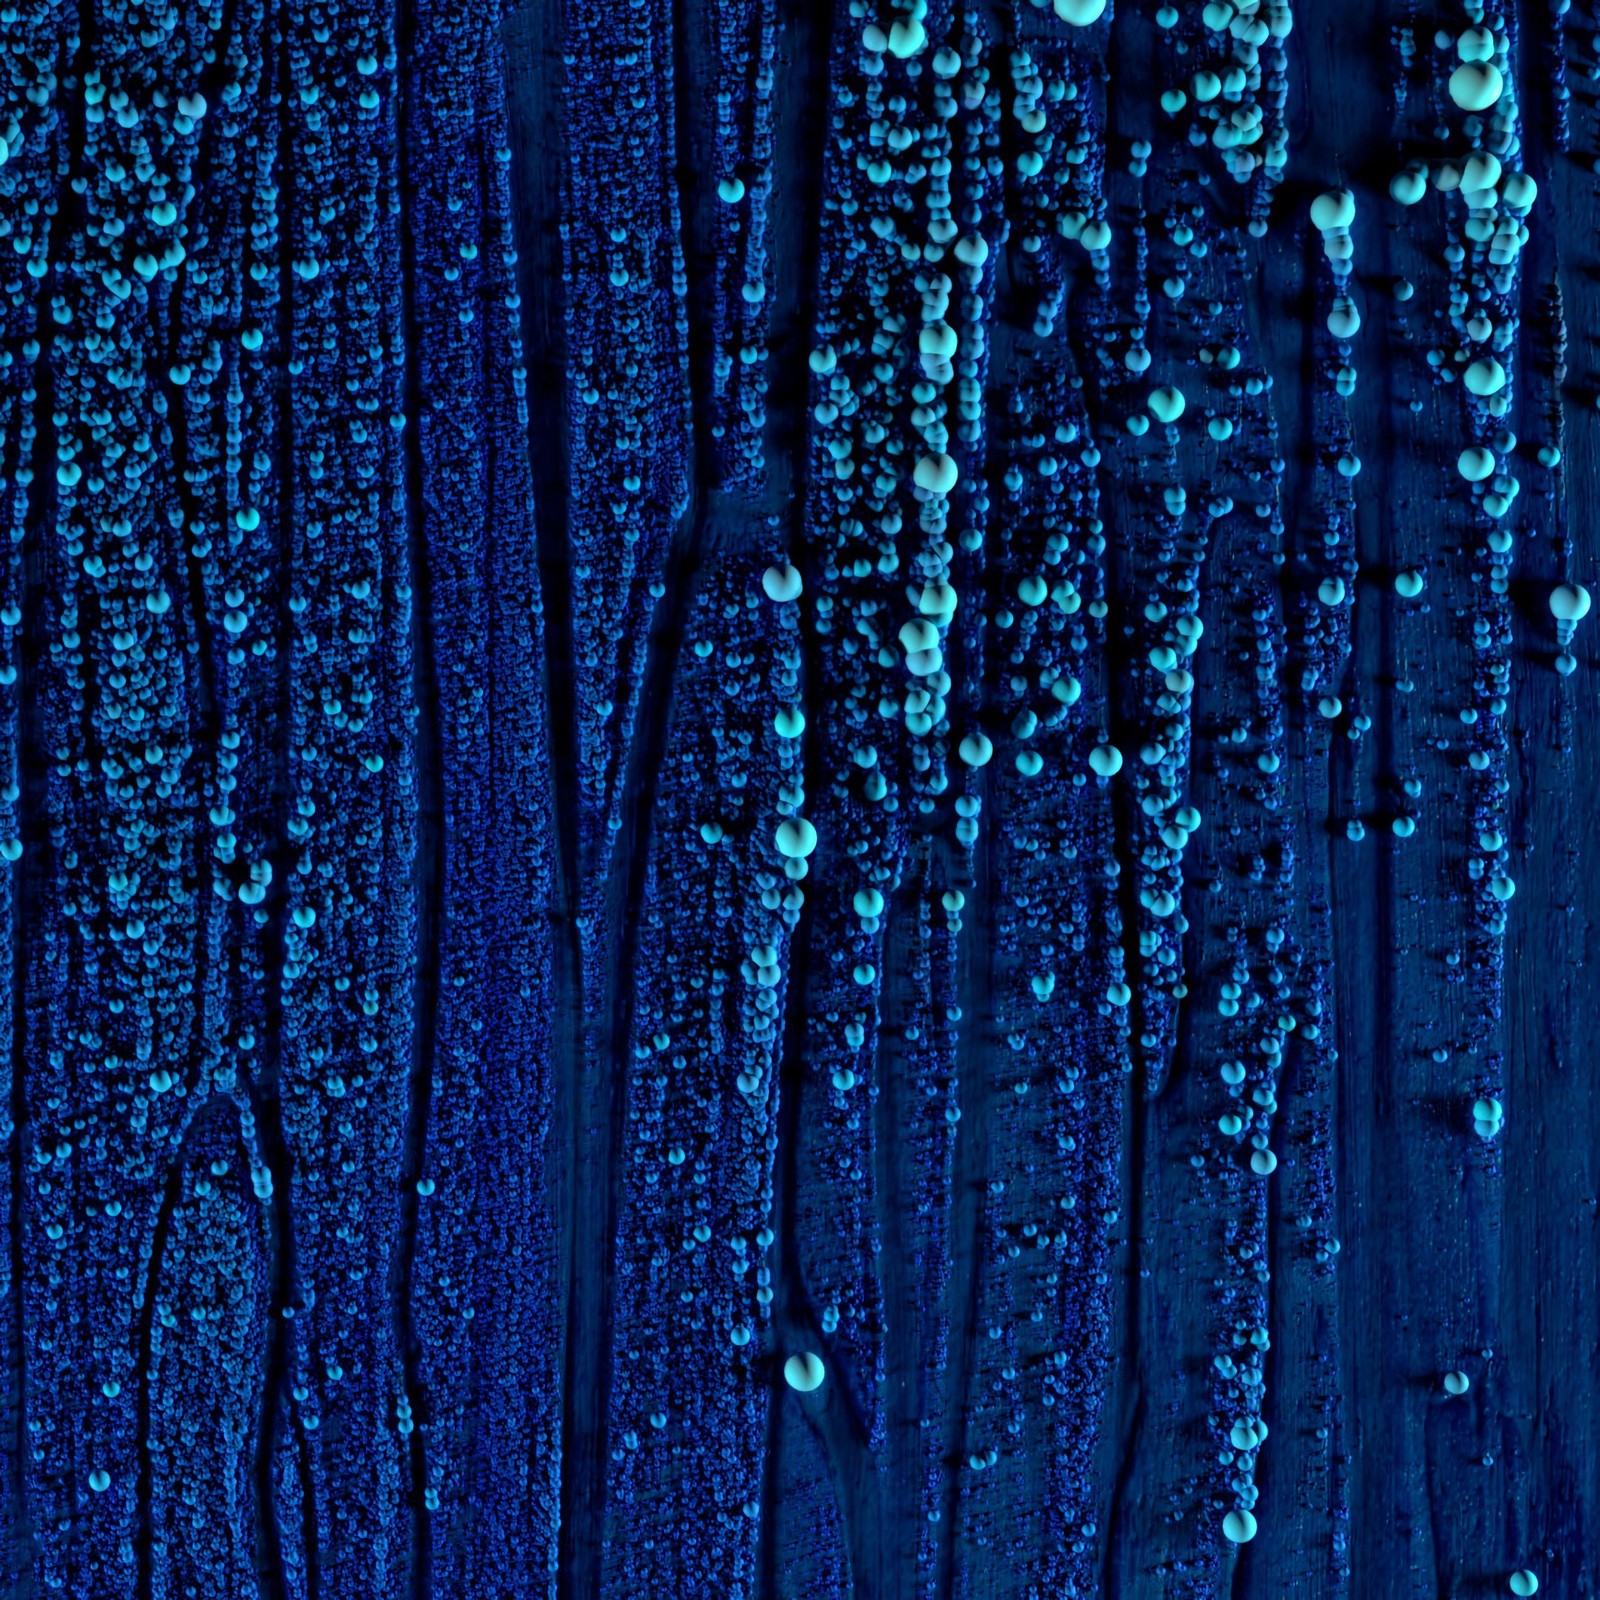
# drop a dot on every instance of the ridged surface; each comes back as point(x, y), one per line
point(794, 801)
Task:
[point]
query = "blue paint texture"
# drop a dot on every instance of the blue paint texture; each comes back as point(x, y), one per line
point(795, 800)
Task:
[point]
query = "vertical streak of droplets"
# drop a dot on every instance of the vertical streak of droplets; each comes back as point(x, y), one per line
point(478, 1289)
point(349, 914)
point(626, 399)
point(35, 133)
point(111, 977)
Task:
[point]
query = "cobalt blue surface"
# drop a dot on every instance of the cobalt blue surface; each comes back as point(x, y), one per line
point(796, 800)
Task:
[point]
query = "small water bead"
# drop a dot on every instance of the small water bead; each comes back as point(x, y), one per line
point(1167, 403)
point(1333, 210)
point(1485, 377)
point(936, 474)
point(1480, 173)
point(976, 749)
point(1456, 1383)
point(795, 839)
point(1239, 1527)
point(1410, 185)
point(1476, 85)
point(782, 583)
point(1518, 192)
point(1080, 13)
point(1095, 236)
point(804, 1372)
point(1105, 760)
point(907, 36)
point(937, 342)
point(1569, 602)
point(1344, 320)
point(1523, 1582)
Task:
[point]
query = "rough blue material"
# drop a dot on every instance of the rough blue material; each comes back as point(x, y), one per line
point(796, 800)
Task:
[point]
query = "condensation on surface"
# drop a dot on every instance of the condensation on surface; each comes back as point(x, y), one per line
point(794, 800)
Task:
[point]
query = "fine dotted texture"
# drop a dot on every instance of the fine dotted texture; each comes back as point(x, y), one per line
point(796, 800)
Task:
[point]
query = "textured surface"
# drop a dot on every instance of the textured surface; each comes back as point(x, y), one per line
point(796, 800)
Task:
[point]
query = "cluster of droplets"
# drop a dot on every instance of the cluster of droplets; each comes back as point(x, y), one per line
point(745, 65)
point(269, 437)
point(1326, 615)
point(902, 329)
point(626, 335)
point(113, 980)
point(205, 1331)
point(226, 531)
point(1489, 200)
point(477, 1289)
point(700, 1161)
point(1228, 79)
point(338, 945)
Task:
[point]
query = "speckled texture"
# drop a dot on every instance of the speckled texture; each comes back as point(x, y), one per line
point(795, 800)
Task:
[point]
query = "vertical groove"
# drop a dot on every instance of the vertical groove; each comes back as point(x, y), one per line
point(30, 879)
point(691, 178)
point(534, 95)
point(429, 863)
point(264, 1093)
point(34, 874)
point(977, 988)
point(800, 122)
point(1151, 1324)
point(144, 1332)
